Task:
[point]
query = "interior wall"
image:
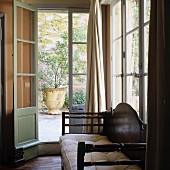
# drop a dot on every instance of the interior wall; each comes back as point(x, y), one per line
point(1, 79)
point(6, 8)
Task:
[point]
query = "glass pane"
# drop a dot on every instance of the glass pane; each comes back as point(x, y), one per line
point(26, 96)
point(117, 91)
point(79, 89)
point(116, 27)
point(146, 46)
point(79, 58)
point(146, 97)
point(25, 58)
point(117, 57)
point(132, 92)
point(147, 4)
point(132, 14)
point(132, 56)
point(80, 24)
point(25, 25)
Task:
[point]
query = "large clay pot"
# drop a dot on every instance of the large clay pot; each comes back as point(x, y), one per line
point(54, 99)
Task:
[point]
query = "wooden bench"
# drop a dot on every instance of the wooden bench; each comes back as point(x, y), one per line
point(121, 143)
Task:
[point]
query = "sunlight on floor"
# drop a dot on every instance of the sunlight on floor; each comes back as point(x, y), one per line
point(50, 127)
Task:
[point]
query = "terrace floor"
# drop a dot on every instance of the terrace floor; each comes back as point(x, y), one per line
point(49, 127)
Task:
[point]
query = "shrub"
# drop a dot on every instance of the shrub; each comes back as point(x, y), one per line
point(78, 98)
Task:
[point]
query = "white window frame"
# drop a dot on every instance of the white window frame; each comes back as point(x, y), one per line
point(142, 73)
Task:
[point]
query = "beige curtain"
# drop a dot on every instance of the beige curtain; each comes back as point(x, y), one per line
point(95, 96)
point(158, 138)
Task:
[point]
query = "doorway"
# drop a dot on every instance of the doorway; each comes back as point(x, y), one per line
point(52, 70)
point(62, 56)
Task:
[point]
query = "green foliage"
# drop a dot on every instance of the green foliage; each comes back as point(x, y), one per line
point(66, 102)
point(50, 26)
point(79, 97)
point(79, 58)
point(80, 22)
point(79, 34)
point(53, 65)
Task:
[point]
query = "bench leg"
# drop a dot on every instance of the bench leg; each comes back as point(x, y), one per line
point(80, 155)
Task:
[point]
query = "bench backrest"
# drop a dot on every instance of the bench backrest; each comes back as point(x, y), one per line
point(124, 125)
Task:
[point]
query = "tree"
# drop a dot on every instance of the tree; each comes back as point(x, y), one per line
point(53, 65)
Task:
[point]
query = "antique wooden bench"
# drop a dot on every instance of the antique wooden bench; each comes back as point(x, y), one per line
point(119, 143)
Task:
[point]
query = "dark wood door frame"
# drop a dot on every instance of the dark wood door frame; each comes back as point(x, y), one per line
point(2, 86)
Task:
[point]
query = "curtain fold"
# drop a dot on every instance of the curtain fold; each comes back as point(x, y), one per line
point(95, 96)
point(158, 138)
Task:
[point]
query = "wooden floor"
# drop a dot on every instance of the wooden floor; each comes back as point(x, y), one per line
point(39, 163)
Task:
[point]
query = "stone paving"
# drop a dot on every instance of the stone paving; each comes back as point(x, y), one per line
point(49, 127)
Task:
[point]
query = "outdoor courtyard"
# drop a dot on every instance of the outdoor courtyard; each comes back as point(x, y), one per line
point(49, 126)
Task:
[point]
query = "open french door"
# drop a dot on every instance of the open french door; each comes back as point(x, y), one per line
point(25, 79)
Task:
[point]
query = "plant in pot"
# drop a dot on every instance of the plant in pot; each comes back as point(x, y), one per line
point(53, 75)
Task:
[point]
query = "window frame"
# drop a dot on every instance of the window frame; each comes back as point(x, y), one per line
point(141, 74)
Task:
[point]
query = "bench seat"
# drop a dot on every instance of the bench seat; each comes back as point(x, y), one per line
point(69, 144)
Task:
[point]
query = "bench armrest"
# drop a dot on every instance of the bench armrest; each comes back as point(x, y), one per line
point(86, 148)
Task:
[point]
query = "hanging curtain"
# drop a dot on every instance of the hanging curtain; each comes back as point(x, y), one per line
point(95, 96)
point(158, 138)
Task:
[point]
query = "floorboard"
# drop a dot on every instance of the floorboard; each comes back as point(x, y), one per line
point(39, 163)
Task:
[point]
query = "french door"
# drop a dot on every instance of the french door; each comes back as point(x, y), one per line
point(78, 21)
point(25, 76)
